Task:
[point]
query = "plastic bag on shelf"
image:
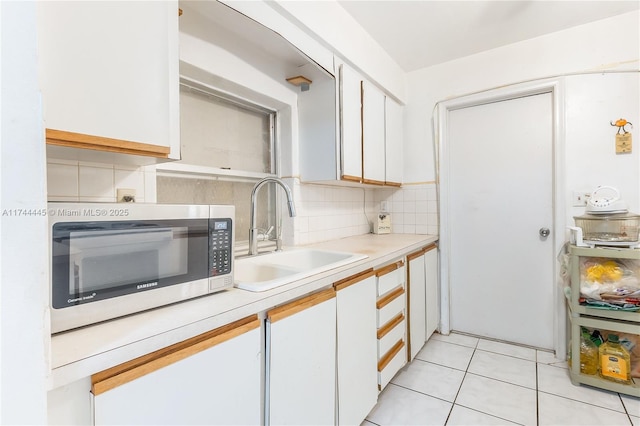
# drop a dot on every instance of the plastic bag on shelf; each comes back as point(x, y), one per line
point(614, 281)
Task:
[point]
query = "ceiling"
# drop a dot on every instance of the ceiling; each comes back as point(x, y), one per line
point(421, 33)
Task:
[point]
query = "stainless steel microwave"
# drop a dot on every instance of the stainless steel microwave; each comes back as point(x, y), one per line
point(111, 260)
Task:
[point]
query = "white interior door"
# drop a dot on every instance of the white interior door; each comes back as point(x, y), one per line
point(500, 197)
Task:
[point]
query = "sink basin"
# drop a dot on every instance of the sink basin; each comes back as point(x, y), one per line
point(267, 271)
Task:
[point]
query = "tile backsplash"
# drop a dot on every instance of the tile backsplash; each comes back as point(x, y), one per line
point(98, 182)
point(324, 212)
point(330, 212)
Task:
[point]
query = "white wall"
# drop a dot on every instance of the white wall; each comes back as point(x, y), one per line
point(592, 102)
point(329, 24)
point(24, 339)
point(609, 44)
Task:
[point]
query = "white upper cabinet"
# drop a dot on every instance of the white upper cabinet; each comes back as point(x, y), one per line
point(351, 123)
point(373, 134)
point(369, 145)
point(393, 142)
point(108, 73)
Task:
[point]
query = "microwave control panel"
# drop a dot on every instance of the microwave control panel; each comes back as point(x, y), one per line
point(220, 247)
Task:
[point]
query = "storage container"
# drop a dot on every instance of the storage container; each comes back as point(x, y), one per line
point(613, 228)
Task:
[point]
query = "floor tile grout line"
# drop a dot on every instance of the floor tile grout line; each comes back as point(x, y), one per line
point(454, 343)
point(455, 398)
point(537, 388)
point(487, 414)
point(502, 381)
point(503, 354)
point(439, 365)
point(587, 403)
point(421, 393)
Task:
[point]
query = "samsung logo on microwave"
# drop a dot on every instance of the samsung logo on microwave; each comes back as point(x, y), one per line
point(147, 285)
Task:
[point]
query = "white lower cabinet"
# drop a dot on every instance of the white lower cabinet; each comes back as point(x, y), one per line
point(417, 301)
point(214, 378)
point(357, 348)
point(432, 280)
point(301, 361)
point(422, 297)
point(390, 321)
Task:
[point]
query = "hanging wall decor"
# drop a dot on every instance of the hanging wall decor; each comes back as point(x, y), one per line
point(623, 137)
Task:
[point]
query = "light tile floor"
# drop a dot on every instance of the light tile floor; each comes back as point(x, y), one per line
point(463, 380)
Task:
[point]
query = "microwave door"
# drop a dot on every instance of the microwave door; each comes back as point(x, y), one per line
point(100, 260)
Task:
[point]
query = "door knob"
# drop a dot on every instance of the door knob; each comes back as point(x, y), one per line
point(544, 232)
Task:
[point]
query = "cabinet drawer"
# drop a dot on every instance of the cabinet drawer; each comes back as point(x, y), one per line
point(390, 305)
point(390, 277)
point(389, 366)
point(390, 333)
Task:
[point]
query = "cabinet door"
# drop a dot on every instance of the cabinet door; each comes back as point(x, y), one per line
point(393, 142)
point(301, 363)
point(357, 348)
point(108, 72)
point(351, 123)
point(208, 380)
point(432, 292)
point(417, 302)
point(373, 134)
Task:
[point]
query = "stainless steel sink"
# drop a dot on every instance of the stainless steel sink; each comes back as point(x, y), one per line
point(267, 271)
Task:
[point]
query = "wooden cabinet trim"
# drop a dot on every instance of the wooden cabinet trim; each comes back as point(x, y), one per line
point(386, 358)
point(131, 370)
point(372, 181)
point(395, 184)
point(100, 143)
point(344, 283)
point(414, 255)
point(362, 131)
point(296, 306)
point(351, 178)
point(430, 247)
point(389, 297)
point(385, 329)
point(389, 268)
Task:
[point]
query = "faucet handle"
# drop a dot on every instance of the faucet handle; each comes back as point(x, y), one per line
point(267, 234)
point(264, 235)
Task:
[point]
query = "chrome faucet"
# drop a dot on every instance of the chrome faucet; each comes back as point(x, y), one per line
point(253, 231)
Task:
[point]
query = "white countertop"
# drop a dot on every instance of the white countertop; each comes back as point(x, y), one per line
point(80, 353)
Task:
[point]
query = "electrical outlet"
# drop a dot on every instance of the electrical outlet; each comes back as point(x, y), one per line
point(580, 198)
point(126, 195)
point(383, 206)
